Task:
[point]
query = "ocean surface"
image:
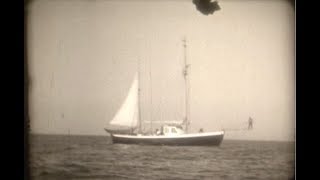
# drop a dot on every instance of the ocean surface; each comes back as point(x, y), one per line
point(95, 157)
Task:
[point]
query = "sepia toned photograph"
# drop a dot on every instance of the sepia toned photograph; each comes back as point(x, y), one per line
point(160, 89)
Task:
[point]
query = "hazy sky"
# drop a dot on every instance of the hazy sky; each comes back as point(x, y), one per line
point(83, 56)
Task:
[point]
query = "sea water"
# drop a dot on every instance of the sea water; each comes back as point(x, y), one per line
point(95, 157)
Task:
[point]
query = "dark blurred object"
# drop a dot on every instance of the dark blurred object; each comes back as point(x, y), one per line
point(206, 7)
point(292, 3)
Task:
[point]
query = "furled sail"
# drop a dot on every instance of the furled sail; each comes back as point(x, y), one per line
point(128, 114)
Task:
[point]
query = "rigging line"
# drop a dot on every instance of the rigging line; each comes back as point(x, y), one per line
point(150, 96)
point(239, 129)
point(139, 103)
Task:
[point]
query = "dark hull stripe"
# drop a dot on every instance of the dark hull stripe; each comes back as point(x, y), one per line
point(122, 131)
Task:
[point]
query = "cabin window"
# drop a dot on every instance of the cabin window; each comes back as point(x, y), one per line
point(165, 130)
point(173, 130)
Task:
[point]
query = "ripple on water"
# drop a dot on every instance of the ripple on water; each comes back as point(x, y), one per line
point(58, 157)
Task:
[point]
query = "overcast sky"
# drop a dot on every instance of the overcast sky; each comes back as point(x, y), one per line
point(83, 56)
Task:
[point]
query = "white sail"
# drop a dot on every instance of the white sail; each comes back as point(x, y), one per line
point(128, 114)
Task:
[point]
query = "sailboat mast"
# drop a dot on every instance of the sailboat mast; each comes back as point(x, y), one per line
point(139, 108)
point(185, 73)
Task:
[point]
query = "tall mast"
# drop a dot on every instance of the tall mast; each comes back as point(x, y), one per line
point(139, 106)
point(185, 74)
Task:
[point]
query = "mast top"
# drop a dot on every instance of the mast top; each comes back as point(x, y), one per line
point(185, 69)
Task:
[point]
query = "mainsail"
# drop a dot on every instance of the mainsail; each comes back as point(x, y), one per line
point(128, 114)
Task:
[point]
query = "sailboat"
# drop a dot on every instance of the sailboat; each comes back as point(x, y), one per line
point(127, 124)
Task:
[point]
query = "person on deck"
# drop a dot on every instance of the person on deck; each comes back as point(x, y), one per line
point(250, 123)
point(157, 132)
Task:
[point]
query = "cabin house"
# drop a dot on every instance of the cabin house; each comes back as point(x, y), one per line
point(172, 130)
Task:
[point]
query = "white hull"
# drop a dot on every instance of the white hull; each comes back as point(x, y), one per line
point(205, 139)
